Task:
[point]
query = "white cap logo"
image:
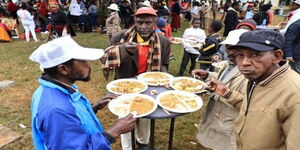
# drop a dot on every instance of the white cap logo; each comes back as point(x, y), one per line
point(267, 42)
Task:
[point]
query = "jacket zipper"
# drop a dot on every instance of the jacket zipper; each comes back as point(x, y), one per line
point(249, 95)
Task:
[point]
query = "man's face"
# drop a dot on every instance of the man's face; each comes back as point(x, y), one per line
point(256, 65)
point(166, 18)
point(237, 7)
point(145, 25)
point(54, 8)
point(231, 55)
point(294, 6)
point(80, 71)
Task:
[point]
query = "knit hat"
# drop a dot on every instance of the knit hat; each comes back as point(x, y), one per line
point(161, 22)
point(247, 22)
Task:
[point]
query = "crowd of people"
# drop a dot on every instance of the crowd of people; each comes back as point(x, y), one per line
point(255, 98)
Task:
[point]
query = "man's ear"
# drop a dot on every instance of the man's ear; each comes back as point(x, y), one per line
point(63, 69)
point(278, 56)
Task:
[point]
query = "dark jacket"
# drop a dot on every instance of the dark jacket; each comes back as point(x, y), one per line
point(129, 63)
point(260, 17)
point(59, 18)
point(292, 41)
point(211, 46)
point(230, 21)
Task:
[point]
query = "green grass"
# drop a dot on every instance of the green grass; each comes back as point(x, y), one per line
point(15, 102)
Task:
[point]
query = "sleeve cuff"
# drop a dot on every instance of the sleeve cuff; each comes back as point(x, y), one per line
point(227, 93)
point(109, 137)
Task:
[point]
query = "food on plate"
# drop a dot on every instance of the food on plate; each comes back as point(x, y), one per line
point(127, 87)
point(140, 105)
point(188, 85)
point(121, 110)
point(137, 104)
point(155, 78)
point(194, 43)
point(173, 102)
point(179, 101)
point(176, 40)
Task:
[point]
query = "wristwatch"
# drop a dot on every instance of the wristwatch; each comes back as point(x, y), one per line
point(109, 137)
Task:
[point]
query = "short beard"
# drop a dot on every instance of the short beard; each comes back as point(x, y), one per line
point(88, 78)
point(80, 77)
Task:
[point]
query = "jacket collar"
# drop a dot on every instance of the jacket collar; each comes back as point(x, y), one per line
point(296, 11)
point(214, 34)
point(275, 74)
point(72, 89)
point(230, 8)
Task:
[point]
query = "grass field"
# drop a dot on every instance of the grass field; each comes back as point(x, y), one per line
point(15, 102)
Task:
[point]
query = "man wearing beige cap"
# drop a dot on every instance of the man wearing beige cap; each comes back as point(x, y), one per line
point(134, 51)
point(63, 118)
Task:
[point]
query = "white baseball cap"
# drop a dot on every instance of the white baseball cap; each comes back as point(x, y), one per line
point(233, 37)
point(62, 50)
point(113, 7)
point(147, 3)
point(297, 2)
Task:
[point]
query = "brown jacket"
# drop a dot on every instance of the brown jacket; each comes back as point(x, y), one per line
point(129, 63)
point(272, 120)
point(216, 126)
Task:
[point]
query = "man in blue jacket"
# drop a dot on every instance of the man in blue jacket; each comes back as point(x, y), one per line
point(63, 118)
point(292, 45)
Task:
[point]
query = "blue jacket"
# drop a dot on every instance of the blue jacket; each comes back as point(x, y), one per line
point(63, 119)
point(292, 41)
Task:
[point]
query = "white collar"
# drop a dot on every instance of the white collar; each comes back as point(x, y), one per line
point(296, 11)
point(230, 8)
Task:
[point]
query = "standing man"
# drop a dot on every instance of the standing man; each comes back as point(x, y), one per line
point(249, 12)
point(58, 20)
point(296, 15)
point(232, 18)
point(175, 12)
point(63, 118)
point(126, 13)
point(134, 51)
point(270, 112)
point(292, 45)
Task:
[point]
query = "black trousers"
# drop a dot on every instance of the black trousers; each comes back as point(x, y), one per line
point(185, 60)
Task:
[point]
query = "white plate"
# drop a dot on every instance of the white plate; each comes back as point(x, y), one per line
point(201, 84)
point(124, 102)
point(176, 92)
point(141, 77)
point(110, 85)
point(178, 40)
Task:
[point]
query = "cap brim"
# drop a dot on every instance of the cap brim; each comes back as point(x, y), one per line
point(151, 14)
point(227, 42)
point(254, 46)
point(113, 9)
point(88, 54)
